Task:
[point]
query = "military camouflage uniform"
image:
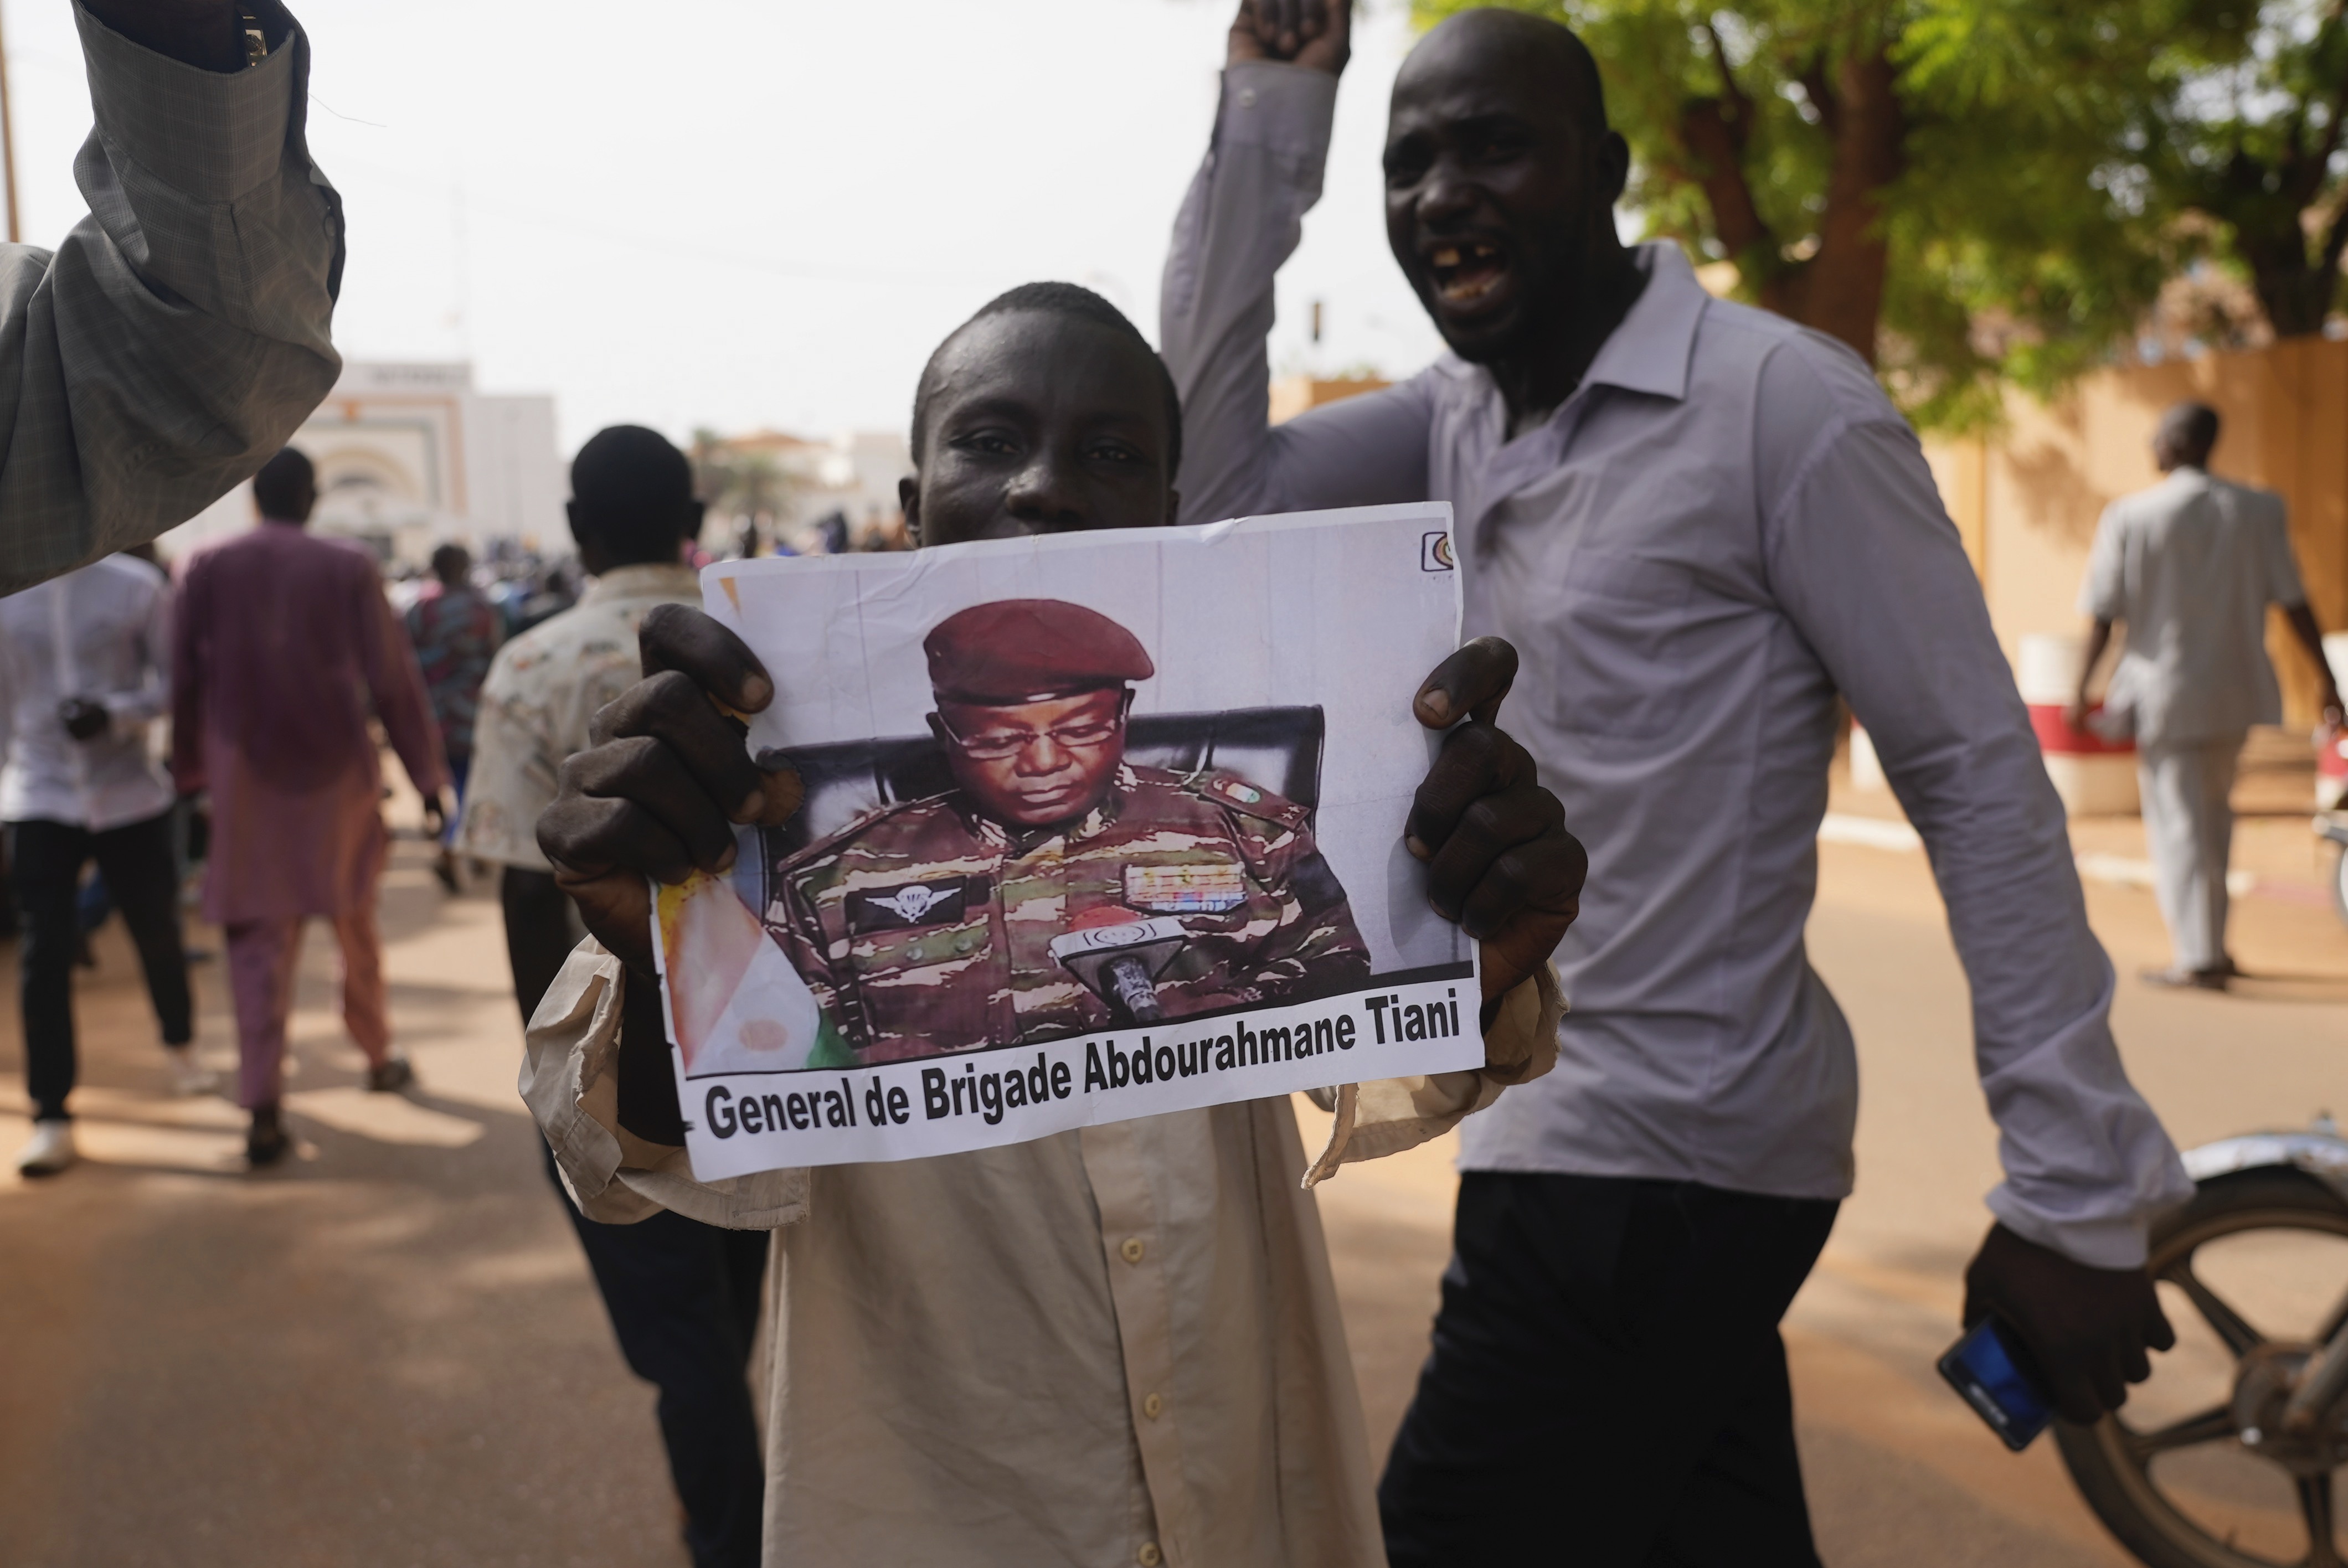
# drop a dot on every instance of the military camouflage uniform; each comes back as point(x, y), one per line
point(924, 927)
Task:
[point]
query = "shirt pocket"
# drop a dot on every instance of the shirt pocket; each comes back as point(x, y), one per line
point(1615, 643)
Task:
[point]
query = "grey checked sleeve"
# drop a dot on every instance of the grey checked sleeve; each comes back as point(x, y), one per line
point(1242, 218)
point(180, 334)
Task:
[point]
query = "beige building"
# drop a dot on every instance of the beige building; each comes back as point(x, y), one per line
point(789, 483)
point(409, 456)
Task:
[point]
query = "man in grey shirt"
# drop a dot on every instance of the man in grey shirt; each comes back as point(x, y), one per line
point(2189, 567)
point(1700, 524)
point(180, 333)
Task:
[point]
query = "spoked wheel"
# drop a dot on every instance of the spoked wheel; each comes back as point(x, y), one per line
point(2197, 1470)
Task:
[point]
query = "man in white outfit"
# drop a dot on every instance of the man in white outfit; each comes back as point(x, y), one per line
point(84, 667)
point(2190, 567)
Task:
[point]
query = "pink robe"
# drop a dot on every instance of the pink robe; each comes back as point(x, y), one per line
point(284, 647)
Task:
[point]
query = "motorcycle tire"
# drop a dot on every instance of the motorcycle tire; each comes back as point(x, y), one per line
point(2110, 1469)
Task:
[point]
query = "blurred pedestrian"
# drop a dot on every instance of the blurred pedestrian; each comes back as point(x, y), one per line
point(85, 665)
point(284, 647)
point(682, 1296)
point(456, 630)
point(2190, 567)
point(179, 332)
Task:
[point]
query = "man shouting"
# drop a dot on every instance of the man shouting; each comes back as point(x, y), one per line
point(1701, 524)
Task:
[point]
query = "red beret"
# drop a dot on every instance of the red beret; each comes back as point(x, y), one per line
point(1026, 650)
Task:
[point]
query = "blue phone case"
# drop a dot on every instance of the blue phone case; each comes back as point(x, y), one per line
point(1983, 1368)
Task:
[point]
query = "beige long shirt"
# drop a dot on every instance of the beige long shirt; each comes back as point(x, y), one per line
point(1119, 1345)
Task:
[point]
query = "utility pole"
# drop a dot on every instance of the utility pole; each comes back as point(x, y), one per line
point(8, 142)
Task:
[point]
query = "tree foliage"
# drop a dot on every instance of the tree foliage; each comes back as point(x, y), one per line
point(2245, 128)
point(1969, 192)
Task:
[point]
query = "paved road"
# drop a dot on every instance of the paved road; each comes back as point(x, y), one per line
point(389, 1353)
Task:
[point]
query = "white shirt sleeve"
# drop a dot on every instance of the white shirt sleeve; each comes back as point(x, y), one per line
point(1240, 220)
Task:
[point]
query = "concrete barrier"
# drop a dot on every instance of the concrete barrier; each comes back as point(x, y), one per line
point(2096, 777)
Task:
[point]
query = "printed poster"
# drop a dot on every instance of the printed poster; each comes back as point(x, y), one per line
point(1096, 825)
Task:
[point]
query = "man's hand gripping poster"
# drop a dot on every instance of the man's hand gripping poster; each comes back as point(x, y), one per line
point(1095, 826)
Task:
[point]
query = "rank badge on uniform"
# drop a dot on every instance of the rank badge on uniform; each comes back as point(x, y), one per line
point(1185, 889)
point(938, 902)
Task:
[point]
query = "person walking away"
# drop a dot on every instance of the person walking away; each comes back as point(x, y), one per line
point(2190, 567)
point(85, 665)
point(682, 1296)
point(270, 714)
point(1701, 524)
point(456, 632)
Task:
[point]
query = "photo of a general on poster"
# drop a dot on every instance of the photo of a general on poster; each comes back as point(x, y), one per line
point(1095, 826)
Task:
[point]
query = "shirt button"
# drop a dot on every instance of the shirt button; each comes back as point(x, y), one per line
point(1149, 1556)
point(1132, 1249)
point(1247, 101)
point(1153, 1407)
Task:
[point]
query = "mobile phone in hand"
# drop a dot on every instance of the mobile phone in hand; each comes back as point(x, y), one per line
point(1997, 1382)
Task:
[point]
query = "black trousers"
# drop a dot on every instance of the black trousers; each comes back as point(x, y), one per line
point(45, 860)
point(683, 1300)
point(1608, 1386)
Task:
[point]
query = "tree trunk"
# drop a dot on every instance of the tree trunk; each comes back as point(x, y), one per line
point(2296, 299)
point(1839, 290)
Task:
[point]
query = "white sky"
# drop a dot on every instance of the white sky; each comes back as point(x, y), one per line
point(762, 213)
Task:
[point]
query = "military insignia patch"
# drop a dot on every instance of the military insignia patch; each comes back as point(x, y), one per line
point(940, 901)
point(1232, 789)
point(1185, 889)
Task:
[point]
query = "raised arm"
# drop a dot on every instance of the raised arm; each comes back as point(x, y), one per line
point(180, 333)
point(1240, 220)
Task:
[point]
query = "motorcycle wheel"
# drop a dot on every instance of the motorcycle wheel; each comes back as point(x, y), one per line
point(2209, 1481)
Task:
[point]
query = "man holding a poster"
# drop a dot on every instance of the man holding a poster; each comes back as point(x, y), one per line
point(1116, 1343)
point(892, 921)
point(1702, 524)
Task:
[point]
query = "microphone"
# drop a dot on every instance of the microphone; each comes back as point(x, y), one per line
point(1117, 956)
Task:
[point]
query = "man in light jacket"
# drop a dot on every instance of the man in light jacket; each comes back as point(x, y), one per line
point(2189, 567)
point(85, 667)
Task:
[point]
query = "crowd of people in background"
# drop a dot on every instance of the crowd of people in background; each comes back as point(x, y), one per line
point(164, 750)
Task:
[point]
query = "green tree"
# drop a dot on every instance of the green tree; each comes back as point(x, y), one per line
point(1942, 184)
point(2246, 130)
point(738, 485)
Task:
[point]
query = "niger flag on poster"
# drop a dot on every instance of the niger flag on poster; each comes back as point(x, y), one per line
point(735, 1004)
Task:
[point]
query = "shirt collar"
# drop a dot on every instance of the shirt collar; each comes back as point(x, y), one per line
point(1649, 349)
point(651, 579)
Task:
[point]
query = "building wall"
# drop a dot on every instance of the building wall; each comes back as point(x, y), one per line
point(1296, 394)
point(2027, 500)
point(408, 454)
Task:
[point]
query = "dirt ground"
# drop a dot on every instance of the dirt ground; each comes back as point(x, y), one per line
point(388, 1352)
